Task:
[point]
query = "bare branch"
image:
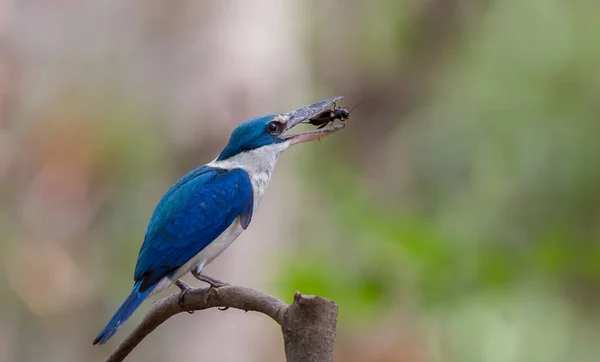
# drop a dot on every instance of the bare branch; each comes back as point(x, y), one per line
point(308, 325)
point(308, 329)
point(246, 299)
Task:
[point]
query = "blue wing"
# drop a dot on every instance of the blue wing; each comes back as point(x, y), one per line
point(193, 213)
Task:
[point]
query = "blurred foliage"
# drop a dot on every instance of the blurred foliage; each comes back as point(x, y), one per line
point(502, 198)
point(456, 218)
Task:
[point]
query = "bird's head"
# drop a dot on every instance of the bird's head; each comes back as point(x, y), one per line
point(270, 133)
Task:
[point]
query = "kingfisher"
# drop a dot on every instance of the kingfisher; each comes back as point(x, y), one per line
point(208, 208)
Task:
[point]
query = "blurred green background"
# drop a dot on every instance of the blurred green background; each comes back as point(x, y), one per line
point(456, 218)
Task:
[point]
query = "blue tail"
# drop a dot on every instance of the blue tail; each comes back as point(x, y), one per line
point(133, 301)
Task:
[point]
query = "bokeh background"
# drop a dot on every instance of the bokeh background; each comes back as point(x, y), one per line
point(455, 219)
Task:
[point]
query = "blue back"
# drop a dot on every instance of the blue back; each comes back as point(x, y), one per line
point(248, 136)
point(193, 212)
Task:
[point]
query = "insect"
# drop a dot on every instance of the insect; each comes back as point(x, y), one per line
point(326, 117)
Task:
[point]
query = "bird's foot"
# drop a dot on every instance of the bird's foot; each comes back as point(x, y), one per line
point(184, 287)
point(214, 283)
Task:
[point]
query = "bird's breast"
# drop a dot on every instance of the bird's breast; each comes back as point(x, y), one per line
point(214, 249)
point(210, 252)
point(260, 182)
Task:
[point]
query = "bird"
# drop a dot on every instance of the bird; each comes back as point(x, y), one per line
point(209, 207)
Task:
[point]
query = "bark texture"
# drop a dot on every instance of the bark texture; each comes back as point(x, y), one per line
point(308, 325)
point(308, 328)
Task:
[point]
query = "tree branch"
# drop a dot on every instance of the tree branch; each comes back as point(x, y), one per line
point(308, 325)
point(308, 328)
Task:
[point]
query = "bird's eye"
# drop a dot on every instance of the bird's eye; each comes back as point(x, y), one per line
point(274, 128)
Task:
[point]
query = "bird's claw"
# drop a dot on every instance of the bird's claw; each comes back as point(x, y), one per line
point(223, 308)
point(214, 283)
point(180, 299)
point(184, 289)
point(218, 285)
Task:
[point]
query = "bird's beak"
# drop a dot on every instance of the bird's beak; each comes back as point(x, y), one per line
point(295, 117)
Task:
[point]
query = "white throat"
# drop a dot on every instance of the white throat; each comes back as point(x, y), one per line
point(258, 163)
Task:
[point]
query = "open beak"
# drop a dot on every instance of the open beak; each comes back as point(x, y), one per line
point(299, 115)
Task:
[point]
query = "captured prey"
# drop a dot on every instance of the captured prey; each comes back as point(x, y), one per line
point(207, 209)
point(329, 116)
